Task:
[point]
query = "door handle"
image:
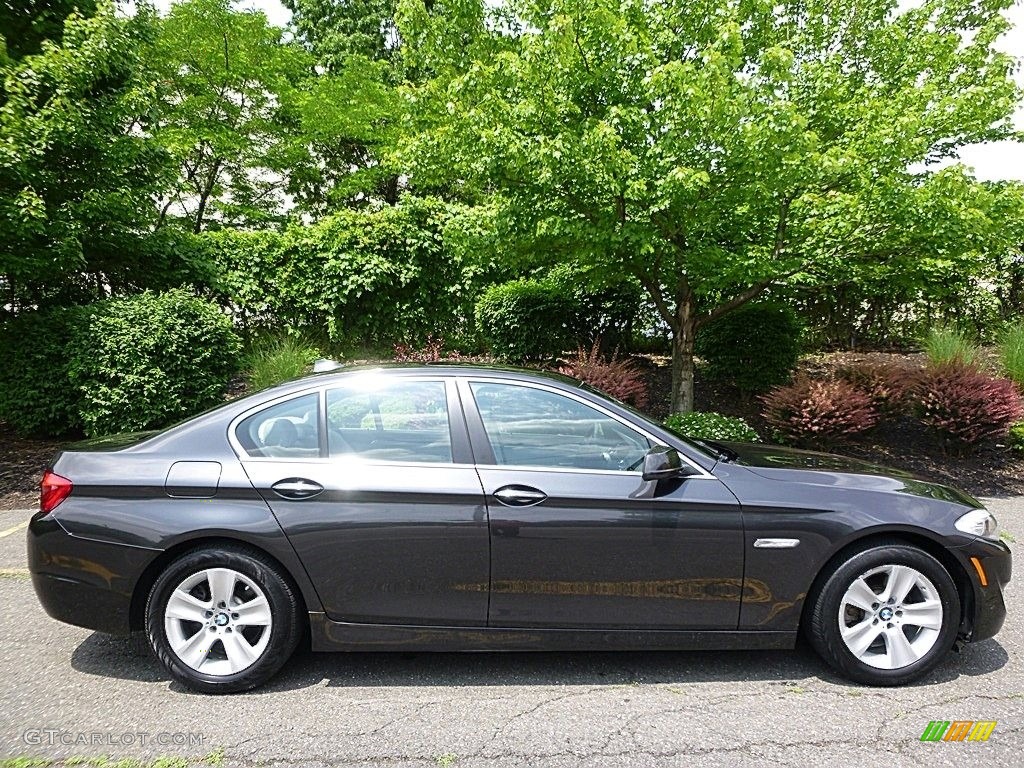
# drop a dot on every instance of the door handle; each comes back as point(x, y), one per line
point(296, 488)
point(519, 496)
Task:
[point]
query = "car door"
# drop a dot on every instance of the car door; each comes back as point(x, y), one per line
point(578, 538)
point(372, 481)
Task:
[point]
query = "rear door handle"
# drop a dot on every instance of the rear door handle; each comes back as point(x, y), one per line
point(519, 496)
point(296, 488)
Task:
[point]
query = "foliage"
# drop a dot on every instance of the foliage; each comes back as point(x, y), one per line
point(948, 346)
point(1011, 352)
point(709, 425)
point(605, 310)
point(273, 358)
point(619, 378)
point(818, 412)
point(525, 319)
point(25, 24)
point(151, 359)
point(371, 276)
point(35, 356)
point(888, 385)
point(1015, 436)
point(436, 349)
point(338, 31)
point(229, 93)
point(754, 347)
point(78, 169)
point(965, 407)
point(711, 150)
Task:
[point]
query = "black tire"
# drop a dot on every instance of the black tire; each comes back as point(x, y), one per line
point(285, 629)
point(823, 626)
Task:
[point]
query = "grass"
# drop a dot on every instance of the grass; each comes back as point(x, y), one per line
point(1011, 353)
point(945, 345)
point(273, 359)
point(446, 760)
point(214, 758)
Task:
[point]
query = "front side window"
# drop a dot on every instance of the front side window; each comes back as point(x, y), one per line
point(286, 430)
point(404, 421)
point(530, 427)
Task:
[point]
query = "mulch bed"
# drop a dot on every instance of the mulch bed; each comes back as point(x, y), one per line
point(904, 444)
point(22, 461)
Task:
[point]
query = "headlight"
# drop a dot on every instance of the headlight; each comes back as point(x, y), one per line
point(978, 522)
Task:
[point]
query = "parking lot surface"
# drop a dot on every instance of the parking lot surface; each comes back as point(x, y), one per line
point(68, 694)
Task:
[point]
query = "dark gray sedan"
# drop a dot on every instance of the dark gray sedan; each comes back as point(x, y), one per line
point(460, 508)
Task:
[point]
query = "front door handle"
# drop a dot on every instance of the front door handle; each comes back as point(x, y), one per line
point(519, 496)
point(296, 488)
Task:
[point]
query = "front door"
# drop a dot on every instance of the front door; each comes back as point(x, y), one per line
point(578, 538)
point(373, 484)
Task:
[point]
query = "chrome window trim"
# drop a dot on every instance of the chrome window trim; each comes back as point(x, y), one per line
point(702, 474)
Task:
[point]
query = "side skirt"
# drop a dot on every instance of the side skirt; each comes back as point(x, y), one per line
point(327, 635)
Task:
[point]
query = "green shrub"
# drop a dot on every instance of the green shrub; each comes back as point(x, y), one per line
point(1011, 353)
point(35, 355)
point(945, 345)
point(272, 359)
point(525, 320)
point(1015, 436)
point(151, 359)
point(367, 277)
point(605, 310)
point(712, 426)
point(754, 347)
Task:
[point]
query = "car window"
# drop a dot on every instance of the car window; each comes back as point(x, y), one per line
point(538, 428)
point(404, 421)
point(287, 430)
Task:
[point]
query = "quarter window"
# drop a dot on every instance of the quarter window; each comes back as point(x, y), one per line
point(287, 430)
point(538, 428)
point(403, 421)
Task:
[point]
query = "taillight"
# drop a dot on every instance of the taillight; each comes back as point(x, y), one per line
point(53, 489)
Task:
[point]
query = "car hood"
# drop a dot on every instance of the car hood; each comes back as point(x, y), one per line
point(779, 463)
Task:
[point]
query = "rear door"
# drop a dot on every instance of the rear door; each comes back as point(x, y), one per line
point(372, 481)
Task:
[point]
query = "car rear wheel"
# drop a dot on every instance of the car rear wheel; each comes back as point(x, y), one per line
point(886, 615)
point(222, 620)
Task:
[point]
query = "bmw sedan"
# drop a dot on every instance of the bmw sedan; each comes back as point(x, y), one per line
point(433, 508)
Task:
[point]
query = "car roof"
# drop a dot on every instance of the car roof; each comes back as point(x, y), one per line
point(440, 368)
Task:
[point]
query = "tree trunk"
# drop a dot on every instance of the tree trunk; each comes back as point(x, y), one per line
point(682, 360)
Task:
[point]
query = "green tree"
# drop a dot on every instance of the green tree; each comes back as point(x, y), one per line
point(25, 24)
point(712, 150)
point(230, 92)
point(338, 29)
point(78, 170)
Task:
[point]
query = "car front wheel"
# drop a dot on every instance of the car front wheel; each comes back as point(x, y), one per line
point(222, 620)
point(885, 616)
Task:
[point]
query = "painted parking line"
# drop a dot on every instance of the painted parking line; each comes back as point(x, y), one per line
point(14, 529)
point(15, 572)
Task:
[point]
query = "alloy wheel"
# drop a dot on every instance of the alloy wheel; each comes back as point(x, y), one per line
point(218, 621)
point(890, 616)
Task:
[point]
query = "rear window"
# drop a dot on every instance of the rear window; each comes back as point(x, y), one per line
point(286, 430)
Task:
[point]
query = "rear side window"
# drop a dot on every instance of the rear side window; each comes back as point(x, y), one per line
point(286, 430)
point(403, 421)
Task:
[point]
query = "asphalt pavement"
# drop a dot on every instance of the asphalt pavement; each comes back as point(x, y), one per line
point(68, 694)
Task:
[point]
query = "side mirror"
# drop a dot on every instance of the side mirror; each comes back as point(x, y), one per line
point(663, 463)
